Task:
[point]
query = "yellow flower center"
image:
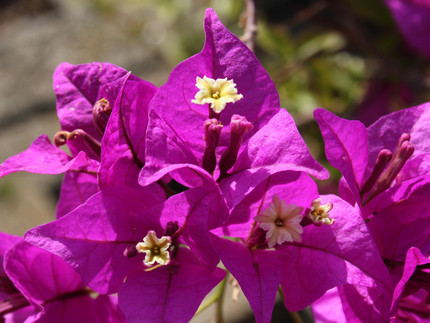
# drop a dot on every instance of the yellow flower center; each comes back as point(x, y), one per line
point(217, 92)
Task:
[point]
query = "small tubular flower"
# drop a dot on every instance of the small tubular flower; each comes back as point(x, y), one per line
point(281, 221)
point(217, 92)
point(319, 213)
point(156, 249)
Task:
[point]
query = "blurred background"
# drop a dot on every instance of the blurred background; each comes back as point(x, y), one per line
point(350, 57)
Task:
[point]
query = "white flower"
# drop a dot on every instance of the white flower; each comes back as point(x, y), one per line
point(217, 92)
point(155, 249)
point(319, 213)
point(281, 221)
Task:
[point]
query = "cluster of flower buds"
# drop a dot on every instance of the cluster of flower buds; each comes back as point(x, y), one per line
point(169, 190)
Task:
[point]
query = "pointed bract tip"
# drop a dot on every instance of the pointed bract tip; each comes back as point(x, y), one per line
point(320, 113)
point(211, 14)
point(211, 19)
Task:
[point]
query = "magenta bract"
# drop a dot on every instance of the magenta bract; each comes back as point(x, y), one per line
point(98, 239)
point(48, 289)
point(386, 175)
point(265, 140)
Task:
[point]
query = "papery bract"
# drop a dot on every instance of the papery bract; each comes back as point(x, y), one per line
point(14, 307)
point(414, 282)
point(42, 157)
point(54, 290)
point(386, 175)
point(79, 89)
point(412, 17)
point(6, 286)
point(123, 143)
point(168, 296)
point(99, 240)
point(329, 255)
point(257, 137)
point(411, 297)
point(328, 309)
point(354, 150)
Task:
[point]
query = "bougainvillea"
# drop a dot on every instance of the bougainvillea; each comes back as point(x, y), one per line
point(386, 176)
point(167, 191)
point(40, 285)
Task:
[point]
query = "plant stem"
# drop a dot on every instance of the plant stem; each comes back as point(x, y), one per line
point(250, 25)
point(216, 297)
point(219, 317)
